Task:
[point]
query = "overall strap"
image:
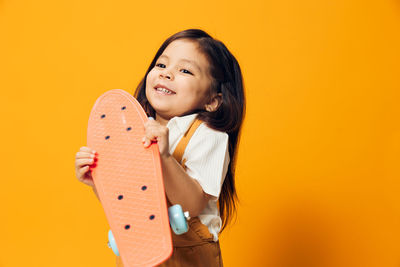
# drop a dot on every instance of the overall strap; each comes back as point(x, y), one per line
point(180, 148)
point(198, 233)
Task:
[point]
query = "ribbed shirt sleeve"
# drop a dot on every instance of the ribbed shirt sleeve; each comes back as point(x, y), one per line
point(207, 158)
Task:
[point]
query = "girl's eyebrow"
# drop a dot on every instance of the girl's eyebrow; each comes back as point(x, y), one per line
point(185, 60)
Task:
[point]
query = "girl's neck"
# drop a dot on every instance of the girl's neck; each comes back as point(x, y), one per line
point(161, 120)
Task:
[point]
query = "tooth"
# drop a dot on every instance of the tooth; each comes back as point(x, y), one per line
point(164, 90)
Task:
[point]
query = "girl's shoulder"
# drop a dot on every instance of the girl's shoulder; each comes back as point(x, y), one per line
point(207, 136)
point(207, 131)
point(202, 133)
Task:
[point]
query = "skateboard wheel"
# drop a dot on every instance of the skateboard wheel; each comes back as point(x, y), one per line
point(177, 219)
point(111, 243)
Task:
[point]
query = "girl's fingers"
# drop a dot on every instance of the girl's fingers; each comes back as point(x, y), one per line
point(80, 162)
point(151, 122)
point(87, 149)
point(88, 182)
point(147, 141)
point(82, 155)
point(153, 128)
point(153, 133)
point(82, 171)
point(83, 160)
point(83, 177)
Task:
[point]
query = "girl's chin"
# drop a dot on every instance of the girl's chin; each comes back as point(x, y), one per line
point(164, 117)
point(164, 113)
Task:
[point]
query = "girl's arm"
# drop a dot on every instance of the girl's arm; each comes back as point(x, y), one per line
point(180, 188)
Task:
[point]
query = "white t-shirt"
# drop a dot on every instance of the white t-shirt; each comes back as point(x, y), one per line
point(207, 159)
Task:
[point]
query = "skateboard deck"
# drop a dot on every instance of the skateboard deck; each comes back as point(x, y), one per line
point(128, 180)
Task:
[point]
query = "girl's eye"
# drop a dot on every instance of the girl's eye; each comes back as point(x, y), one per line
point(163, 66)
point(188, 72)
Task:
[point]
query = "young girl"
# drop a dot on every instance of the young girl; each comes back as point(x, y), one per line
point(194, 91)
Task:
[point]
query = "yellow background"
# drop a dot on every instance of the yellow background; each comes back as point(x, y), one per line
point(318, 167)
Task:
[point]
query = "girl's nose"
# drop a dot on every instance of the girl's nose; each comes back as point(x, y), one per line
point(166, 74)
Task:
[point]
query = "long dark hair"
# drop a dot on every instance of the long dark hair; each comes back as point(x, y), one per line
point(227, 80)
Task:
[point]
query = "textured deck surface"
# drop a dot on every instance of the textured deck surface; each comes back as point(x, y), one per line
point(128, 179)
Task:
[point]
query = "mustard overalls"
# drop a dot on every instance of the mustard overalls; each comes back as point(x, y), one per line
point(196, 247)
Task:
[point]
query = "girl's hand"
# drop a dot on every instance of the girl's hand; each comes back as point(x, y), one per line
point(154, 131)
point(83, 160)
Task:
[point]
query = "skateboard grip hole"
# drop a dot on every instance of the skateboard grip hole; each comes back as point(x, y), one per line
point(144, 187)
point(107, 137)
point(103, 116)
point(127, 227)
point(152, 217)
point(129, 128)
point(123, 108)
point(120, 197)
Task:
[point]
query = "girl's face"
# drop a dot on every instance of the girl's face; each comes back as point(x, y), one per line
point(179, 82)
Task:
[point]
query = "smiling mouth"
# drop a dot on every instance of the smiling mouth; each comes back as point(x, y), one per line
point(164, 91)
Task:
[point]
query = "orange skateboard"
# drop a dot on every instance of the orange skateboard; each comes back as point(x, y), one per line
point(129, 182)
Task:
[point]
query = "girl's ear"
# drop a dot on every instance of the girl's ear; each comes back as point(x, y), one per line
point(214, 103)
